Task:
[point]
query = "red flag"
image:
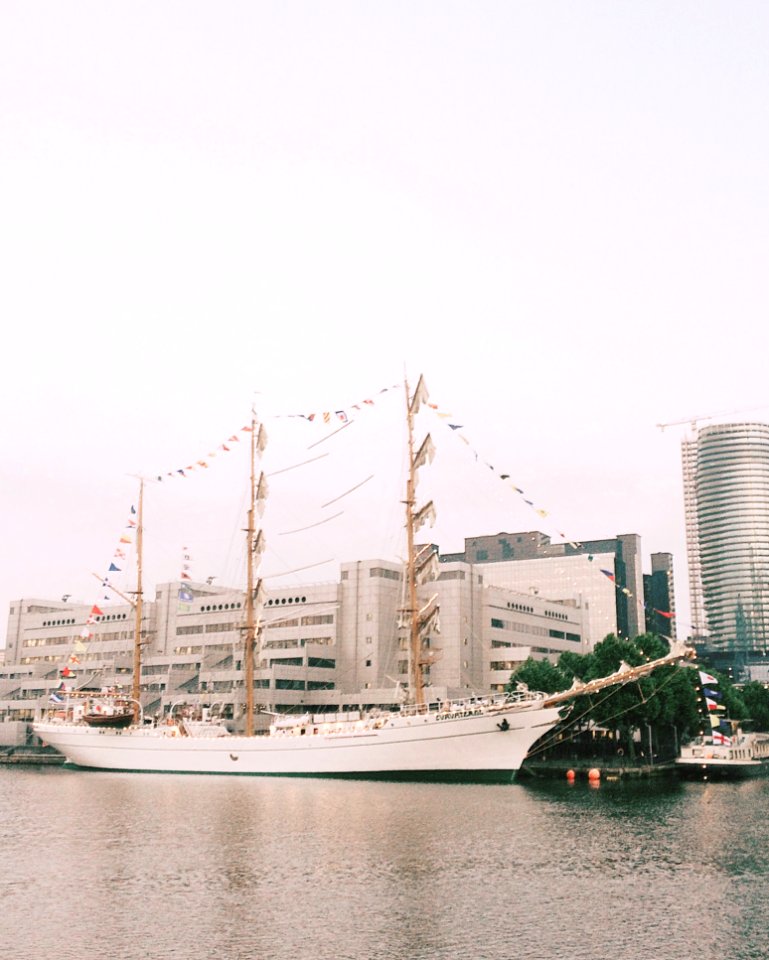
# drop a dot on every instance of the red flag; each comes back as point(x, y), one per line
point(96, 612)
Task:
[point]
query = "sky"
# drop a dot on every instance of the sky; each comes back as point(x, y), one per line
point(557, 212)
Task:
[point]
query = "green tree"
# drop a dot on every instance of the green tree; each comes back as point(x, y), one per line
point(665, 701)
point(755, 696)
point(539, 675)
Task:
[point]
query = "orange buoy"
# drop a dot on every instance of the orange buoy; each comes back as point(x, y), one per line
point(594, 774)
point(570, 775)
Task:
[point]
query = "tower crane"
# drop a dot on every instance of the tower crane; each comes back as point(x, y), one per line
point(693, 421)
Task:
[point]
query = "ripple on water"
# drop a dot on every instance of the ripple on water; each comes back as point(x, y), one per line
point(205, 867)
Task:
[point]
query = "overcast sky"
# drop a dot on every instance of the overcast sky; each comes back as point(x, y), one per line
point(557, 212)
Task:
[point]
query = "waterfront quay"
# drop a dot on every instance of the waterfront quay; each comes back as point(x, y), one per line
point(30, 756)
point(616, 769)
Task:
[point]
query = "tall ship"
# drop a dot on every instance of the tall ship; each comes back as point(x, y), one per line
point(477, 739)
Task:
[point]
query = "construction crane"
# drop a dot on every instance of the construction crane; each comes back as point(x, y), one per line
point(693, 421)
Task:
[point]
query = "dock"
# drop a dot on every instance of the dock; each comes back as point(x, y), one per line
point(607, 770)
point(31, 756)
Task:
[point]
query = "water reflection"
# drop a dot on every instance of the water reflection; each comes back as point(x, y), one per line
point(198, 867)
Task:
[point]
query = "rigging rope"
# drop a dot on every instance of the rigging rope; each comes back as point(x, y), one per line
point(552, 738)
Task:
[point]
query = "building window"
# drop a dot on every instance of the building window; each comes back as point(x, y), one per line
point(385, 573)
point(321, 662)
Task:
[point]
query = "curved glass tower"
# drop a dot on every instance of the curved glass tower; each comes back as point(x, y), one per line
point(732, 495)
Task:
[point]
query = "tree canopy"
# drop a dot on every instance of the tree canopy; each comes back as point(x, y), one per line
point(668, 697)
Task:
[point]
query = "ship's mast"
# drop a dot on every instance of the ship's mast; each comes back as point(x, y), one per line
point(416, 679)
point(418, 620)
point(254, 548)
point(136, 686)
point(250, 632)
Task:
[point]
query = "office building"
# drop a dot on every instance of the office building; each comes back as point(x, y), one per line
point(729, 535)
point(326, 645)
point(603, 576)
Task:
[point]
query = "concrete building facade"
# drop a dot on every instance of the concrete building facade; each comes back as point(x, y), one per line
point(604, 577)
point(326, 645)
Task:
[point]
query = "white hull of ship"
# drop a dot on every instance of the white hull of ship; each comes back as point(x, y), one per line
point(486, 746)
point(700, 767)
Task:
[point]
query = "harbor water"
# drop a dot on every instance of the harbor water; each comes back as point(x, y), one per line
point(130, 866)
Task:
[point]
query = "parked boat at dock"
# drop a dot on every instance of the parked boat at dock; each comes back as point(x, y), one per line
point(710, 757)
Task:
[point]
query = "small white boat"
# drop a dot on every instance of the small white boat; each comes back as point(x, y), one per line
point(740, 755)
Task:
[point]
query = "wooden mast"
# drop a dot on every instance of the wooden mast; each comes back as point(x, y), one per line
point(136, 686)
point(415, 637)
point(250, 628)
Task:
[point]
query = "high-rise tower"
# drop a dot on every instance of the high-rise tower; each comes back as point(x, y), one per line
point(731, 490)
point(696, 602)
